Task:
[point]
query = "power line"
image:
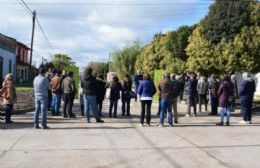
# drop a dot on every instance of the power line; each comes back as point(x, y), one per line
point(24, 7)
point(43, 33)
point(27, 7)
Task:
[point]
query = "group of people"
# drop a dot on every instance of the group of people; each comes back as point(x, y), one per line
point(52, 88)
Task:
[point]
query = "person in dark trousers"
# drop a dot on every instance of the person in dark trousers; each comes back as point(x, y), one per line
point(203, 92)
point(181, 81)
point(101, 91)
point(69, 90)
point(191, 95)
point(89, 86)
point(176, 93)
point(166, 89)
point(225, 94)
point(246, 91)
point(159, 101)
point(138, 78)
point(213, 93)
point(126, 98)
point(146, 90)
point(115, 88)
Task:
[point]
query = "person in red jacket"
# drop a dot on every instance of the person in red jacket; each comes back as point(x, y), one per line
point(225, 94)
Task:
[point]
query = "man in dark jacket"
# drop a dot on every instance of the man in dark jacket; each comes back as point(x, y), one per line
point(191, 87)
point(166, 89)
point(176, 93)
point(246, 92)
point(89, 86)
point(101, 91)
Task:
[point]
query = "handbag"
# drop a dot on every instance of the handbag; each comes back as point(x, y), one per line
point(132, 95)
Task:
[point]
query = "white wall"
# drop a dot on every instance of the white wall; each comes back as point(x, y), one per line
point(7, 55)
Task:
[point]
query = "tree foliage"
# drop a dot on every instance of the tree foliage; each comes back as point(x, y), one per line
point(60, 61)
point(99, 68)
point(123, 60)
point(166, 51)
point(235, 48)
point(226, 18)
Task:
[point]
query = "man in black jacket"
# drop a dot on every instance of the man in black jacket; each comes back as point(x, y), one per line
point(89, 86)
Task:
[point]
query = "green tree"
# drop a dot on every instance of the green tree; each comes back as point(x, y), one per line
point(226, 18)
point(60, 61)
point(235, 49)
point(167, 52)
point(123, 60)
point(99, 68)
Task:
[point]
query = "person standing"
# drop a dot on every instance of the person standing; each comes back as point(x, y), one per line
point(181, 81)
point(89, 86)
point(146, 90)
point(69, 91)
point(8, 92)
point(126, 98)
point(246, 92)
point(191, 95)
point(175, 94)
point(166, 89)
point(56, 90)
point(101, 91)
point(213, 92)
point(138, 78)
point(203, 92)
point(41, 87)
point(115, 88)
point(225, 94)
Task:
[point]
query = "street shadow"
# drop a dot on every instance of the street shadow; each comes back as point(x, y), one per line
point(94, 128)
point(16, 125)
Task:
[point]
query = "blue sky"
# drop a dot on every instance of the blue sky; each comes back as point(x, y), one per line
point(88, 30)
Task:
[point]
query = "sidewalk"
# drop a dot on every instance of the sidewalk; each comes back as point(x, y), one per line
point(195, 142)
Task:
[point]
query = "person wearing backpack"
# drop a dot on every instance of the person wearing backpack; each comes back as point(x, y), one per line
point(202, 91)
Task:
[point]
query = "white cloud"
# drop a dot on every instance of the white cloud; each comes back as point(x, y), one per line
point(91, 32)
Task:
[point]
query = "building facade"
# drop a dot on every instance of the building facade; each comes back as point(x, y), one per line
point(7, 56)
point(22, 63)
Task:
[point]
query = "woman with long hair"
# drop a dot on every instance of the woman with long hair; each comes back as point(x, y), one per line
point(8, 92)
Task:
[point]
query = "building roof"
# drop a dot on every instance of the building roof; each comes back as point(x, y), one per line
point(23, 45)
point(7, 43)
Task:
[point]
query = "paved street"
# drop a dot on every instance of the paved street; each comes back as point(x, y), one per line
point(195, 142)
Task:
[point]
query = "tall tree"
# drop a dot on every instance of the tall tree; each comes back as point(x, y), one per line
point(99, 68)
point(235, 48)
point(123, 60)
point(60, 61)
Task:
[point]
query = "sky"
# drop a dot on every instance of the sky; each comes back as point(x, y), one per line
point(88, 30)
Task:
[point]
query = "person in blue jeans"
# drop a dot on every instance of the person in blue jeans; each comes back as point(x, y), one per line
point(8, 92)
point(166, 88)
point(89, 86)
point(225, 94)
point(41, 86)
point(146, 90)
point(56, 90)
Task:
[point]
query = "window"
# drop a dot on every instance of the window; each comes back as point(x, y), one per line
point(10, 66)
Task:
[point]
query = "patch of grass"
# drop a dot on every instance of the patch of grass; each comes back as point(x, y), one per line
point(24, 88)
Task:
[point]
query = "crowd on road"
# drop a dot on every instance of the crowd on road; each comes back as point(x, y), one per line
point(51, 88)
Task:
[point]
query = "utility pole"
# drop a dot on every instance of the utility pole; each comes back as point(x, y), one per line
point(109, 62)
point(32, 38)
